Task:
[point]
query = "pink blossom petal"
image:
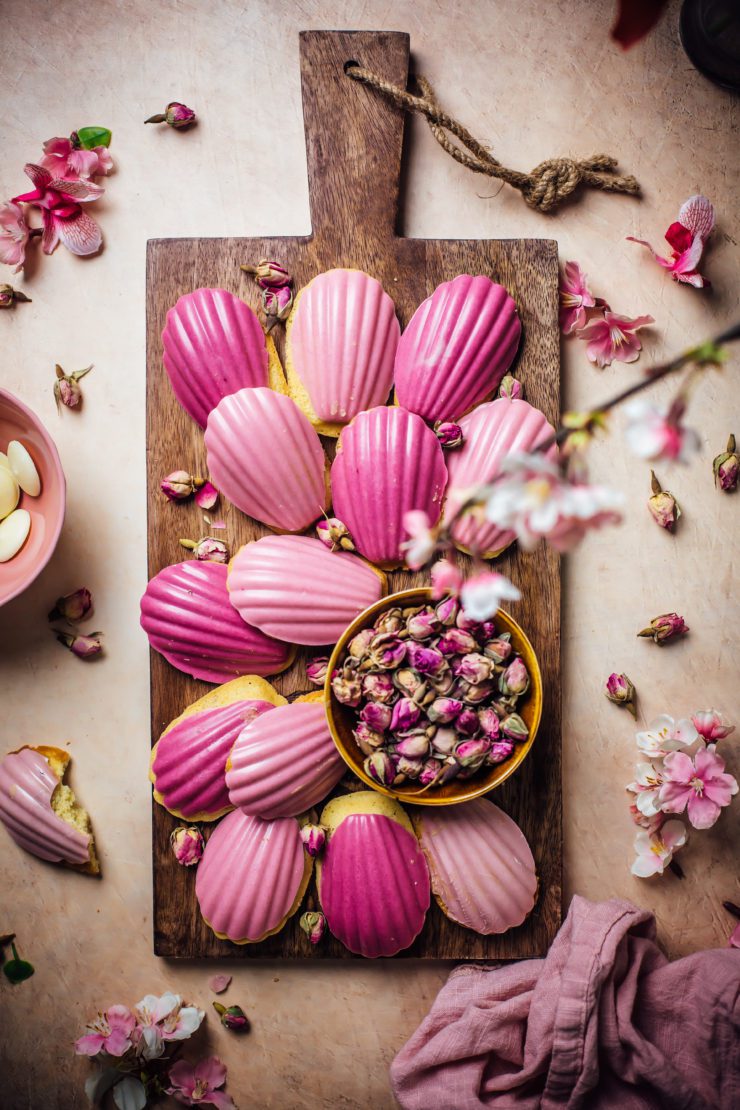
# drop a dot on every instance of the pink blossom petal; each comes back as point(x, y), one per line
point(120, 1017)
point(697, 214)
point(702, 811)
point(40, 178)
point(211, 1071)
point(90, 1044)
point(78, 190)
point(58, 146)
point(50, 236)
point(117, 1043)
point(674, 797)
point(665, 262)
point(219, 983)
point(678, 237)
point(221, 1100)
point(80, 234)
point(678, 767)
point(673, 834)
point(688, 260)
point(207, 496)
point(182, 1075)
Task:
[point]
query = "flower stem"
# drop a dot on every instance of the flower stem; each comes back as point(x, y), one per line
point(732, 908)
point(677, 869)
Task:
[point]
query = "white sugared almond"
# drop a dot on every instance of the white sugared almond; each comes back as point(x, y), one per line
point(4, 462)
point(24, 468)
point(13, 533)
point(9, 492)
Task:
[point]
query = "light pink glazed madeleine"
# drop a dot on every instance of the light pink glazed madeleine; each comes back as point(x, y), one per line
point(252, 876)
point(267, 459)
point(214, 345)
point(341, 342)
point(457, 347)
point(187, 615)
point(388, 462)
point(491, 433)
point(296, 589)
point(482, 869)
point(373, 880)
point(284, 763)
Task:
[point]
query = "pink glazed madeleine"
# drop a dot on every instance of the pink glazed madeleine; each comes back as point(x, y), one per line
point(187, 615)
point(267, 459)
point(296, 589)
point(456, 349)
point(388, 462)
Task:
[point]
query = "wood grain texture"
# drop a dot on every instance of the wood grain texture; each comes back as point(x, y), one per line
point(354, 142)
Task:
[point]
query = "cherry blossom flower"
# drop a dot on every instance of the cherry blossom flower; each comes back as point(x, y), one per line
point(446, 579)
point(483, 593)
point(613, 337)
point(646, 788)
point(63, 160)
point(686, 237)
point(652, 824)
point(657, 432)
point(14, 233)
point(63, 218)
point(697, 785)
point(575, 298)
point(665, 735)
point(164, 1019)
point(199, 1085)
point(110, 1032)
point(711, 724)
point(420, 548)
point(655, 850)
point(534, 500)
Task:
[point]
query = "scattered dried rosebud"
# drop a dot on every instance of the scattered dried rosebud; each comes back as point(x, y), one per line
point(514, 728)
point(313, 924)
point(379, 687)
point(67, 390)
point(510, 387)
point(268, 274)
point(472, 753)
point(726, 467)
point(207, 496)
point(498, 649)
point(367, 739)
point(467, 723)
point(175, 115)
point(73, 607)
point(449, 435)
point(515, 679)
point(317, 670)
point(179, 485)
point(500, 750)
point(445, 740)
point(334, 534)
point(208, 549)
point(387, 652)
point(377, 715)
point(84, 647)
point(187, 844)
point(426, 660)
point(474, 693)
point(276, 304)
point(444, 710)
point(406, 714)
point(347, 690)
point(414, 745)
point(9, 296)
point(473, 667)
point(430, 772)
point(314, 839)
point(359, 644)
point(456, 641)
point(408, 768)
point(667, 626)
point(423, 624)
point(447, 611)
point(489, 723)
point(620, 690)
point(232, 1017)
point(390, 621)
point(379, 766)
point(663, 507)
point(409, 682)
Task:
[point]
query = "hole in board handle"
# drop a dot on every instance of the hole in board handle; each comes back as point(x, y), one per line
point(351, 64)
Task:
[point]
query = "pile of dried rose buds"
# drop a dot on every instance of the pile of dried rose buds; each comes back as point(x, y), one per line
point(435, 693)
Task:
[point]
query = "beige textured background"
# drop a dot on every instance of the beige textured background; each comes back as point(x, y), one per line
point(533, 79)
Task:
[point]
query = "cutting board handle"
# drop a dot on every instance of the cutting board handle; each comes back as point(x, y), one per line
point(353, 136)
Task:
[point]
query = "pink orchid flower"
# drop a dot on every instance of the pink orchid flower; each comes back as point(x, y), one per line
point(446, 579)
point(697, 785)
point(687, 237)
point(665, 735)
point(14, 233)
point(63, 160)
point(419, 549)
point(655, 432)
point(613, 337)
point(712, 725)
point(655, 850)
point(198, 1086)
point(110, 1032)
point(63, 218)
point(483, 593)
point(575, 298)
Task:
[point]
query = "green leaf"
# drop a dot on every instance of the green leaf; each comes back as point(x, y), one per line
point(16, 970)
point(709, 354)
point(94, 136)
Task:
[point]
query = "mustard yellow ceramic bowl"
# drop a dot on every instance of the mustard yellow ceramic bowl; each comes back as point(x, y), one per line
point(342, 718)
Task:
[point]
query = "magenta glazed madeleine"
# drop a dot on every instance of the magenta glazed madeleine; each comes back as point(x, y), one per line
point(388, 462)
point(491, 433)
point(252, 876)
point(187, 615)
point(213, 345)
point(457, 347)
point(27, 783)
point(284, 763)
point(296, 589)
point(266, 458)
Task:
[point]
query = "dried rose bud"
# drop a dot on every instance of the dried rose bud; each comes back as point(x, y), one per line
point(175, 115)
point(409, 768)
point(359, 644)
point(207, 496)
point(317, 670)
point(449, 435)
point(444, 710)
point(423, 624)
point(514, 728)
point(444, 740)
point(489, 723)
point(430, 771)
point(314, 839)
point(515, 679)
point(472, 753)
point(406, 714)
point(426, 660)
point(10, 296)
point(498, 650)
point(73, 607)
point(511, 387)
point(500, 750)
point(474, 693)
point(187, 844)
point(392, 620)
point(208, 549)
point(456, 641)
point(450, 770)
point(726, 467)
point(67, 390)
point(178, 485)
point(277, 303)
point(387, 652)
point(313, 924)
point(232, 1017)
point(367, 739)
point(379, 688)
point(334, 534)
point(376, 715)
point(379, 766)
point(620, 690)
point(663, 507)
point(409, 682)
point(473, 667)
point(346, 689)
point(268, 274)
point(467, 723)
point(443, 683)
point(84, 647)
point(665, 627)
point(447, 610)
point(413, 746)
point(467, 624)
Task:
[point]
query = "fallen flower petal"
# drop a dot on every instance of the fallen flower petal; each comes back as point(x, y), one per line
point(697, 785)
point(687, 237)
point(219, 983)
point(655, 850)
point(207, 496)
point(712, 725)
point(575, 298)
point(665, 627)
point(613, 337)
point(84, 647)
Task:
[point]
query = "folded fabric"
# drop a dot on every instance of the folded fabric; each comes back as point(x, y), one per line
point(604, 1021)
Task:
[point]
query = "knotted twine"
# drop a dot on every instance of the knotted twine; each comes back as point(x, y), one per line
point(549, 183)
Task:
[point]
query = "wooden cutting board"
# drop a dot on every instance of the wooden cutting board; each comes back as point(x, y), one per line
point(353, 143)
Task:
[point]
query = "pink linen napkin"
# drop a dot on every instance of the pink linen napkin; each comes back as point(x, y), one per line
point(604, 1021)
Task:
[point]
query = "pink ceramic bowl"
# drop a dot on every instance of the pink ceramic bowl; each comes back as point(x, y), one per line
point(47, 510)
